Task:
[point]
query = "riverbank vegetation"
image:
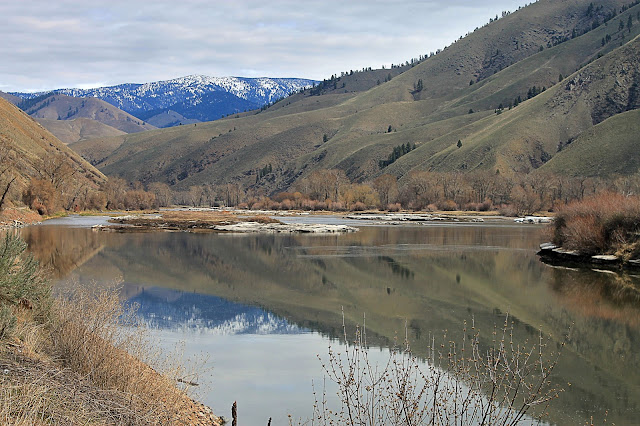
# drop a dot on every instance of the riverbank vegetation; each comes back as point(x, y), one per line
point(512, 195)
point(608, 223)
point(56, 189)
point(79, 359)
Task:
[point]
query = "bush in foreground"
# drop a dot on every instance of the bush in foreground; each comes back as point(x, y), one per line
point(22, 284)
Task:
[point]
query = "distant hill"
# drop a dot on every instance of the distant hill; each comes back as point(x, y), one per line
point(196, 97)
point(55, 106)
point(167, 118)
point(11, 98)
point(69, 131)
point(208, 107)
point(25, 145)
point(513, 92)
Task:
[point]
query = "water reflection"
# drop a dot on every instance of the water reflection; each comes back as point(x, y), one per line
point(429, 278)
point(166, 309)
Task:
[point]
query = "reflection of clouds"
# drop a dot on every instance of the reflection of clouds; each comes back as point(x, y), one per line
point(174, 310)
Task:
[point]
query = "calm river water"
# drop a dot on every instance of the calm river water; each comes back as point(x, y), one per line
point(262, 307)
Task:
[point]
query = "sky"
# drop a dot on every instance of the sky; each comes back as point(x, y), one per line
point(52, 44)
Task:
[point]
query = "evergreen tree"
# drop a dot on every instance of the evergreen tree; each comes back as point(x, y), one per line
point(459, 143)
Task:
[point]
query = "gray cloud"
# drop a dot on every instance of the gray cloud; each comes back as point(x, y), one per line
point(78, 43)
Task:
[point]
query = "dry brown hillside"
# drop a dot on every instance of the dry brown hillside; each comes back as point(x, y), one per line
point(25, 146)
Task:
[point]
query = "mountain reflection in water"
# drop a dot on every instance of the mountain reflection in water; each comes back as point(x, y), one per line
point(176, 310)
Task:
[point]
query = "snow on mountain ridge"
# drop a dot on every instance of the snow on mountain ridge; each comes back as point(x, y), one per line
point(137, 98)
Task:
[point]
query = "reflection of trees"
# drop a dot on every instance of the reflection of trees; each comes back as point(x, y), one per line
point(603, 295)
point(61, 250)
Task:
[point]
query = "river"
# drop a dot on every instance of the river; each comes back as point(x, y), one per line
point(259, 309)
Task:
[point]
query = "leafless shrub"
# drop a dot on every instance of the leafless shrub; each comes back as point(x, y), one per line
point(462, 384)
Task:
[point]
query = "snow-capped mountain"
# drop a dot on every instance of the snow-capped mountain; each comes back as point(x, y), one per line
point(196, 97)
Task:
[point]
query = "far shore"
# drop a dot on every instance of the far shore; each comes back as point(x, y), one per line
point(266, 221)
point(224, 219)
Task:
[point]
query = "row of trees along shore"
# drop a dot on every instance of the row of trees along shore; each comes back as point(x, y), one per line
point(419, 191)
point(331, 190)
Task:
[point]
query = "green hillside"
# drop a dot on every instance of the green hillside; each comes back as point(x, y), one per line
point(607, 149)
point(464, 93)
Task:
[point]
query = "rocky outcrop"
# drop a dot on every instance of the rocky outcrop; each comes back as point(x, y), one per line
point(554, 255)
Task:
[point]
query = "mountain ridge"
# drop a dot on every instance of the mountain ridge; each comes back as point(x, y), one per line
point(186, 94)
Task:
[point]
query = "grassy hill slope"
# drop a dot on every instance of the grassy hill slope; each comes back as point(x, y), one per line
point(608, 148)
point(350, 131)
point(69, 131)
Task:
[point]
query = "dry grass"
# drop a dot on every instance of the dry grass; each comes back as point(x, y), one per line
point(89, 366)
point(94, 337)
point(9, 216)
point(605, 223)
point(81, 359)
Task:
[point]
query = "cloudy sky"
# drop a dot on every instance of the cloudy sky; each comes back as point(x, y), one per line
point(49, 44)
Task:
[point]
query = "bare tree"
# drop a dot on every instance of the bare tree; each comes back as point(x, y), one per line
point(387, 188)
point(164, 197)
point(56, 169)
point(482, 183)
